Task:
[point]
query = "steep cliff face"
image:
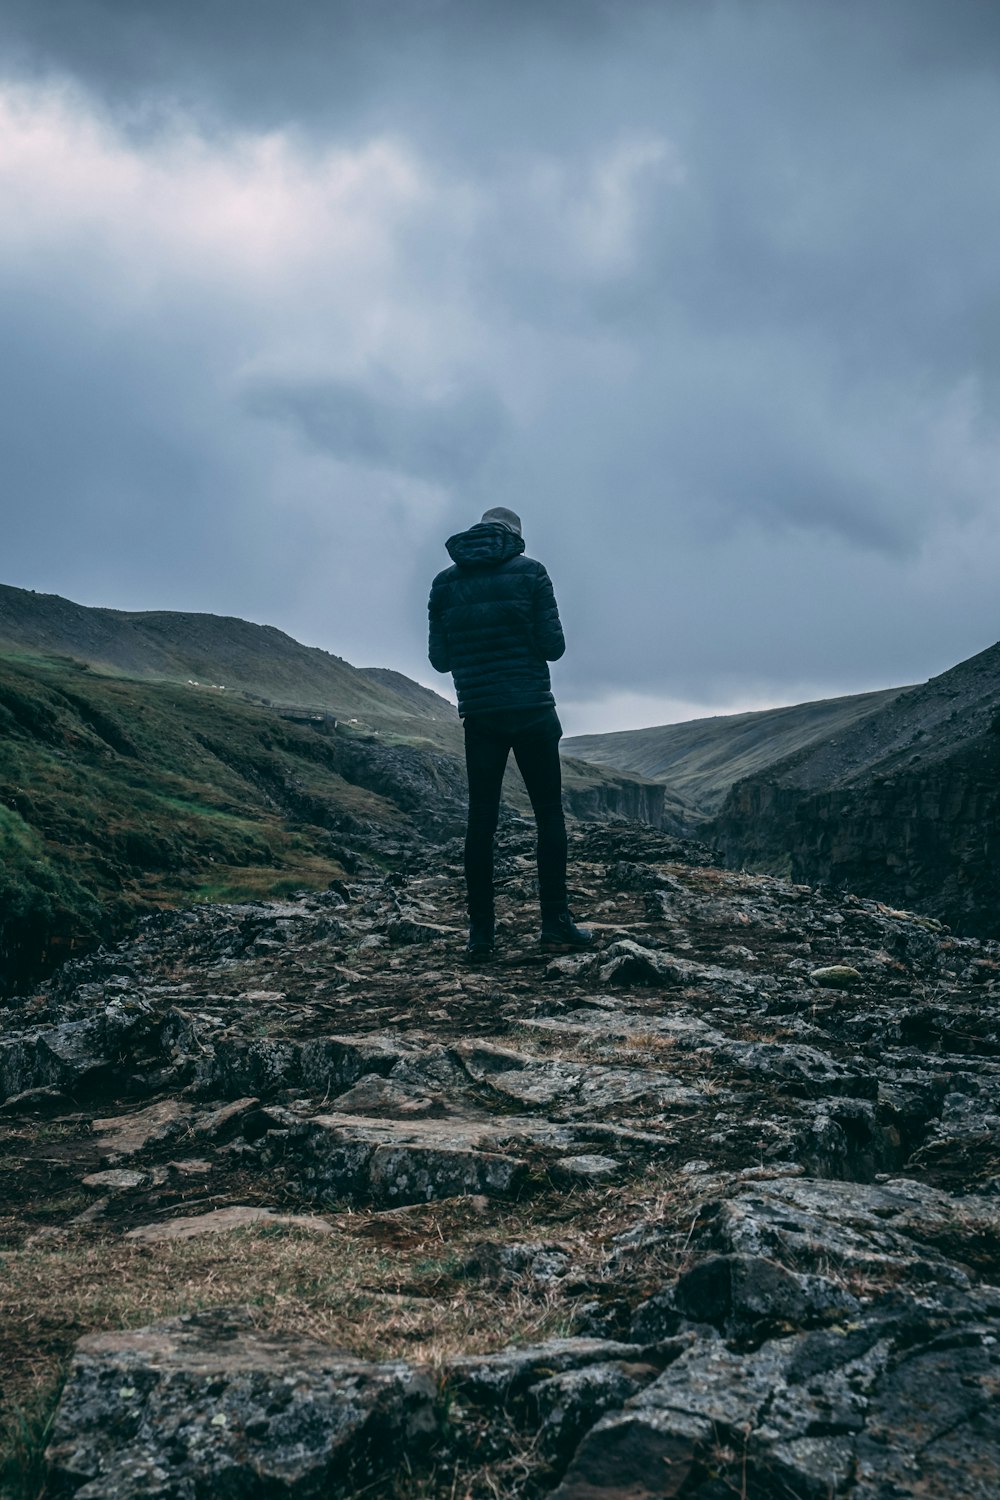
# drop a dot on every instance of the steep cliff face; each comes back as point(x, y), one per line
point(906, 808)
point(623, 797)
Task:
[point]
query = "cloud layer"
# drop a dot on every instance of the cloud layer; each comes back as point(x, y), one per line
point(706, 292)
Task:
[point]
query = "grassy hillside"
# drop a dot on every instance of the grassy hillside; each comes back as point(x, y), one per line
point(228, 656)
point(701, 759)
point(117, 797)
point(423, 700)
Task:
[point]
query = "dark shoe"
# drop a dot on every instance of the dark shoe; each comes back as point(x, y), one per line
point(561, 934)
point(482, 940)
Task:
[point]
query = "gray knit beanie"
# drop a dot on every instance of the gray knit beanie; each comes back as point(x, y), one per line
point(501, 516)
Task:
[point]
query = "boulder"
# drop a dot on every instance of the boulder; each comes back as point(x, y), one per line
point(900, 1227)
point(208, 1405)
point(836, 977)
point(902, 1402)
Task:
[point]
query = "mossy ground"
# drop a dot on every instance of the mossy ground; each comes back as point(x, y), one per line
point(118, 797)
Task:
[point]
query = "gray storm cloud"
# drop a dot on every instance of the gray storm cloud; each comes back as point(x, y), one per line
point(444, 439)
point(706, 292)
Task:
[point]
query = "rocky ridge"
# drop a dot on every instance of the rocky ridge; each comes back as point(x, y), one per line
point(903, 803)
point(737, 1169)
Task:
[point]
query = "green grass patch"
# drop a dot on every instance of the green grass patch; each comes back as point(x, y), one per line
point(252, 884)
point(120, 796)
point(24, 1435)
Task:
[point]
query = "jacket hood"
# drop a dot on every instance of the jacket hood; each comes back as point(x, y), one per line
point(484, 546)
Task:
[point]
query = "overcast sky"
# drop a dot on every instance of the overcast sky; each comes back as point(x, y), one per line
point(708, 292)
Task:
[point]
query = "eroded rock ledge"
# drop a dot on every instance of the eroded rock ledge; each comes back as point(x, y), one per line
point(772, 1116)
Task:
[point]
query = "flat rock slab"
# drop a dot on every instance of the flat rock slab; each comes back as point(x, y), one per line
point(116, 1180)
point(671, 1028)
point(392, 1162)
point(125, 1135)
point(389, 1100)
point(228, 1117)
point(800, 1069)
point(493, 1379)
point(220, 1220)
point(589, 1168)
point(898, 1226)
point(207, 1405)
point(593, 1087)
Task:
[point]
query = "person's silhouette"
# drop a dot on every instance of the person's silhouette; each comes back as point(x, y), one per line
point(495, 626)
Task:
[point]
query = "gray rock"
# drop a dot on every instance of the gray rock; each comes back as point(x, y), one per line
point(224, 1121)
point(58, 1056)
point(394, 1162)
point(836, 977)
point(592, 1087)
point(126, 1135)
point(805, 1069)
point(629, 963)
point(325, 1066)
point(582, 1171)
point(903, 1402)
point(116, 1180)
point(33, 1100)
point(899, 1225)
point(568, 1405)
point(503, 1265)
point(415, 929)
point(745, 1296)
point(784, 1368)
point(631, 1455)
point(494, 1379)
point(387, 1099)
point(678, 1028)
point(207, 1405)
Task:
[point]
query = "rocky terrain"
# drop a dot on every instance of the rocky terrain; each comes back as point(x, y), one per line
point(297, 1203)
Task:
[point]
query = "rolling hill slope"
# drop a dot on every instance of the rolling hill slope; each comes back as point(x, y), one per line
point(701, 759)
point(118, 797)
point(224, 654)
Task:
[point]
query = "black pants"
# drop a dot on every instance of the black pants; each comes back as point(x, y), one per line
point(534, 738)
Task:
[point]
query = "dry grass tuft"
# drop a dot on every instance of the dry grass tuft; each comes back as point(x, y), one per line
point(382, 1286)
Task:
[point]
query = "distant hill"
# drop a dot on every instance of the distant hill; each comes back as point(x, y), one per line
point(423, 700)
point(904, 804)
point(221, 653)
point(702, 758)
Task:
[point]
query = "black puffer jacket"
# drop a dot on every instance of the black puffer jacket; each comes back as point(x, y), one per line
point(494, 623)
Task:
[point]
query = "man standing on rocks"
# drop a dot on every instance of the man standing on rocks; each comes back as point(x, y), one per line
point(495, 626)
